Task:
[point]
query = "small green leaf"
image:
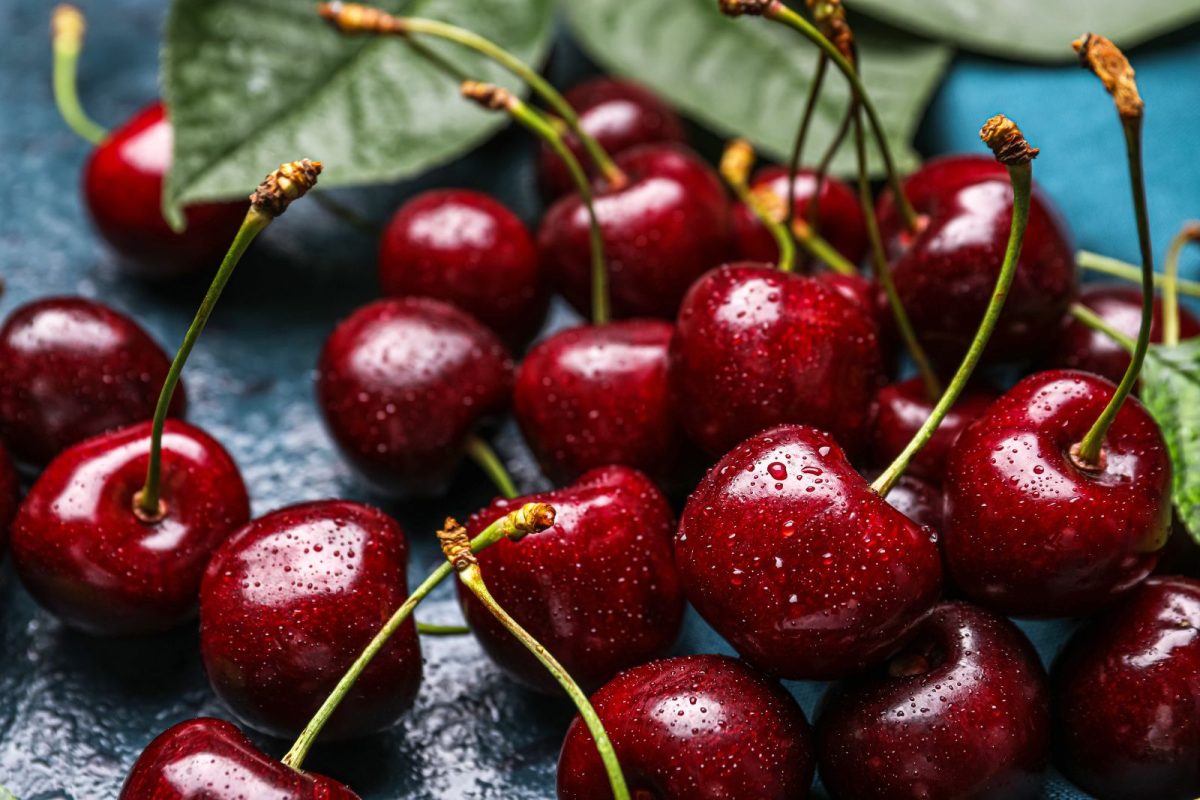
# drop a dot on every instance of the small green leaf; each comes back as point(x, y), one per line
point(748, 76)
point(251, 85)
point(1171, 392)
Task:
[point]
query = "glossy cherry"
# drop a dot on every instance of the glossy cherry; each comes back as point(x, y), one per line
point(755, 347)
point(700, 727)
point(1080, 347)
point(74, 368)
point(210, 759)
point(466, 249)
point(291, 600)
point(962, 712)
point(792, 557)
point(1030, 533)
point(661, 231)
point(598, 589)
point(123, 189)
point(1127, 696)
point(945, 273)
point(401, 384)
point(619, 115)
point(918, 500)
point(10, 495)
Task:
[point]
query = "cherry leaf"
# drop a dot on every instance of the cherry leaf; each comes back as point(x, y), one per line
point(1170, 390)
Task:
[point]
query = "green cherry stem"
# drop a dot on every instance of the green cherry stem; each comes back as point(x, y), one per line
point(67, 28)
point(1012, 150)
point(1115, 268)
point(826, 163)
point(434, 629)
point(1097, 323)
point(272, 197)
point(528, 518)
point(1190, 232)
point(458, 552)
point(806, 117)
point(486, 459)
point(735, 169)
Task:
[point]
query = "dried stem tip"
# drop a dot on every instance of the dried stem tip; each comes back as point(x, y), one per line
point(1007, 142)
point(830, 18)
point(1110, 65)
point(456, 545)
point(736, 162)
point(487, 95)
point(736, 8)
point(67, 25)
point(284, 185)
point(531, 518)
point(357, 18)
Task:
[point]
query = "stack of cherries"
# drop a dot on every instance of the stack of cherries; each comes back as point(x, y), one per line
point(705, 354)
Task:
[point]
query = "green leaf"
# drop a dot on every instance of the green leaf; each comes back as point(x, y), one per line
point(1171, 392)
point(749, 76)
point(1034, 30)
point(251, 85)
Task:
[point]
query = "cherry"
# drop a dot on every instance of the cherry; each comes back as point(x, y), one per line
point(918, 500)
point(598, 589)
point(619, 115)
point(1081, 347)
point(1126, 694)
point(466, 249)
point(402, 382)
point(666, 225)
point(290, 601)
point(74, 368)
point(945, 273)
point(962, 711)
point(701, 727)
point(755, 347)
point(210, 759)
point(791, 556)
point(10, 495)
point(1028, 532)
point(83, 553)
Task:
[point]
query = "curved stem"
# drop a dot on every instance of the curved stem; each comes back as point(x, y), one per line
point(433, 629)
point(1116, 268)
point(486, 459)
point(826, 161)
point(1188, 233)
point(1097, 323)
point(68, 27)
point(1021, 177)
point(810, 105)
point(735, 169)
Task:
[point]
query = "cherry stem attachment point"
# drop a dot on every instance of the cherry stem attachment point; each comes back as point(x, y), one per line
point(433, 629)
point(806, 117)
point(1123, 270)
point(529, 518)
point(486, 459)
point(272, 197)
point(735, 169)
point(67, 27)
point(1190, 232)
point(1012, 150)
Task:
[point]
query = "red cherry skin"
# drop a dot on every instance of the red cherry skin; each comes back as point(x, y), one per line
point(1027, 533)
point(1080, 347)
point(946, 273)
point(291, 600)
point(900, 411)
point(839, 216)
point(82, 553)
point(402, 382)
point(962, 712)
point(755, 347)
point(123, 189)
point(591, 396)
point(619, 115)
point(470, 251)
point(790, 555)
point(661, 231)
point(918, 500)
point(1127, 696)
point(210, 759)
point(701, 727)
point(74, 368)
point(10, 495)
point(598, 588)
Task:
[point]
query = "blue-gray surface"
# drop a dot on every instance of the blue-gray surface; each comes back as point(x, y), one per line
point(75, 712)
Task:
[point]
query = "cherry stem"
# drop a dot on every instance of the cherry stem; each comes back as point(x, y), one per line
point(67, 28)
point(810, 105)
point(486, 459)
point(826, 161)
point(1115, 268)
point(1097, 323)
point(1190, 232)
point(526, 519)
point(1020, 175)
point(735, 169)
point(433, 629)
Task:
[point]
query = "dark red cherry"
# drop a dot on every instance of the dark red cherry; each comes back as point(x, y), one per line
point(1029, 533)
point(755, 347)
point(902, 408)
point(597, 395)
point(1080, 347)
point(401, 384)
point(74, 368)
point(945, 273)
point(693, 728)
point(662, 230)
point(287, 605)
point(10, 495)
point(210, 759)
point(123, 189)
point(791, 556)
point(598, 588)
point(468, 250)
point(839, 216)
point(83, 554)
point(1127, 697)
point(619, 115)
point(918, 500)
point(962, 712)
